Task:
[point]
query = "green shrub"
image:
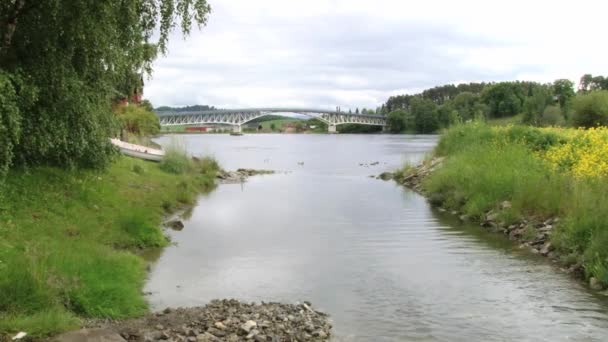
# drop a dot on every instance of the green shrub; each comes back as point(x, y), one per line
point(533, 138)
point(552, 116)
point(207, 165)
point(485, 166)
point(141, 231)
point(591, 109)
point(185, 193)
point(138, 120)
point(9, 122)
point(176, 160)
point(138, 169)
point(396, 121)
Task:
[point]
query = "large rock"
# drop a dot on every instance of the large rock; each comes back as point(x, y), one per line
point(175, 224)
point(89, 335)
point(386, 176)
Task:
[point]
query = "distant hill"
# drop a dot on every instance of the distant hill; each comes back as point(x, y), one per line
point(185, 109)
point(274, 117)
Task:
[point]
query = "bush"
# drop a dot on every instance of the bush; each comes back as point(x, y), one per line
point(552, 116)
point(176, 160)
point(9, 122)
point(138, 120)
point(395, 121)
point(207, 165)
point(591, 110)
point(141, 231)
point(543, 172)
point(482, 175)
point(138, 169)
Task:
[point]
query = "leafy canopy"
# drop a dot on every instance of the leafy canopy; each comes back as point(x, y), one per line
point(66, 61)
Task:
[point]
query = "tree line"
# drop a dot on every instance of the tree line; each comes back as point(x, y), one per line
point(555, 103)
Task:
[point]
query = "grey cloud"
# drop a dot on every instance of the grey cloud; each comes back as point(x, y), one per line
point(314, 59)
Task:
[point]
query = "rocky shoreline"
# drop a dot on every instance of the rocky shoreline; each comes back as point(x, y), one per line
point(220, 320)
point(239, 176)
point(530, 232)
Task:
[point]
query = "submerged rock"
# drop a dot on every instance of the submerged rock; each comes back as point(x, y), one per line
point(386, 176)
point(175, 224)
point(240, 175)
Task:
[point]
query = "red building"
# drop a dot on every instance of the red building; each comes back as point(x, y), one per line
point(197, 129)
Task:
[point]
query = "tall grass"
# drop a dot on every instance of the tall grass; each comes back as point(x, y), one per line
point(176, 158)
point(486, 166)
point(67, 240)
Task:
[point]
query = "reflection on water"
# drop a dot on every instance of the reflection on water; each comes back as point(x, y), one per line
point(370, 253)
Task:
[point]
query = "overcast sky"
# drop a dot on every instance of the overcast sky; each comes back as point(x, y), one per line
point(354, 53)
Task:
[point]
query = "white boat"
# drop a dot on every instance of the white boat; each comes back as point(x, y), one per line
point(138, 151)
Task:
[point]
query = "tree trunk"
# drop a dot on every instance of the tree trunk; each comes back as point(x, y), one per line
point(11, 25)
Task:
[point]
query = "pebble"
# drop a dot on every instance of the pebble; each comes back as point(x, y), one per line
point(247, 326)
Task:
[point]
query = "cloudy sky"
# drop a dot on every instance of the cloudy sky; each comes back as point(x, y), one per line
point(355, 53)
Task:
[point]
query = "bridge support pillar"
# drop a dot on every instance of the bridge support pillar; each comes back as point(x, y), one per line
point(237, 129)
point(385, 129)
point(332, 128)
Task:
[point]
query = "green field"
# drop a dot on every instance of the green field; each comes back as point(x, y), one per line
point(69, 240)
point(279, 123)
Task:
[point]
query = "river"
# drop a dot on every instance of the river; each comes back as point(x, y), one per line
point(373, 255)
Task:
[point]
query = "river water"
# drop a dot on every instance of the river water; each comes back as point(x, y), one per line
point(373, 255)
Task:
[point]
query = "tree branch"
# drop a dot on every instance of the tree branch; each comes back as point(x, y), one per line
point(11, 25)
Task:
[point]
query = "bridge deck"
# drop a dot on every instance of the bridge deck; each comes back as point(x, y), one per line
point(238, 117)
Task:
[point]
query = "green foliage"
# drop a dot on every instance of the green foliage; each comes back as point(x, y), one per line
point(42, 323)
point(66, 236)
point(468, 105)
point(590, 83)
point(176, 161)
point(147, 105)
point(503, 99)
point(138, 120)
point(591, 109)
point(563, 89)
point(396, 121)
point(141, 230)
point(138, 169)
point(320, 126)
point(486, 166)
point(534, 105)
point(426, 119)
point(356, 128)
point(69, 60)
point(552, 116)
point(10, 121)
point(484, 173)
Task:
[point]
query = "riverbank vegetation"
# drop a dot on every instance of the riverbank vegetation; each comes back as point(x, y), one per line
point(63, 64)
point(531, 103)
point(69, 240)
point(542, 173)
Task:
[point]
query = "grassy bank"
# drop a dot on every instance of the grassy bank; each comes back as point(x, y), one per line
point(543, 173)
point(69, 239)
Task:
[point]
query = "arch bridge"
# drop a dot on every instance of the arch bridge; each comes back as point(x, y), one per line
point(238, 117)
